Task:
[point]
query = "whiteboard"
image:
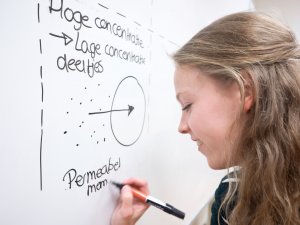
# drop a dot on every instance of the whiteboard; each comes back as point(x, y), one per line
point(87, 97)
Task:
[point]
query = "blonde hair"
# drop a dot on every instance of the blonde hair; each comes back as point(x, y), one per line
point(268, 146)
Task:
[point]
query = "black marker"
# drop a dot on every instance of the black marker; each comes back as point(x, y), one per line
point(153, 201)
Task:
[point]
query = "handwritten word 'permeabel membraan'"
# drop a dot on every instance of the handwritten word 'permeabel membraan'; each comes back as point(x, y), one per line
point(94, 180)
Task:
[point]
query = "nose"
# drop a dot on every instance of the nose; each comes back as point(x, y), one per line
point(183, 125)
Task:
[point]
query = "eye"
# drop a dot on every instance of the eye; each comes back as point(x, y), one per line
point(186, 107)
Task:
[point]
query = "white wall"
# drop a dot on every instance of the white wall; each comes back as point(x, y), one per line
point(288, 11)
point(53, 106)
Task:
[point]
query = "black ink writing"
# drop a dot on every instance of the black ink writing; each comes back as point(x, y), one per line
point(80, 65)
point(70, 15)
point(74, 179)
point(96, 187)
point(64, 36)
point(119, 31)
point(125, 55)
point(84, 47)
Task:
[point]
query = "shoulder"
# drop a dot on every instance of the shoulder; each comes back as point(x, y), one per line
point(219, 197)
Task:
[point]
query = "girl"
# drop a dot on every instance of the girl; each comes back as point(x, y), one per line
point(238, 82)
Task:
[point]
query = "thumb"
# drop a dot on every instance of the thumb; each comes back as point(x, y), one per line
point(126, 207)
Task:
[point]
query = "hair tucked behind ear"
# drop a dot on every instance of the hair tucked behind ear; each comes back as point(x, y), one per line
point(268, 146)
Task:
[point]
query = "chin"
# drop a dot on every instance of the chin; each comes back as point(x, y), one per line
point(216, 166)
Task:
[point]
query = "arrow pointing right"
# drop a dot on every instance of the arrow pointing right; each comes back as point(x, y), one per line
point(67, 38)
point(130, 109)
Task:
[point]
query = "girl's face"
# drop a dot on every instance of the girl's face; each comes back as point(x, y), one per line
point(209, 109)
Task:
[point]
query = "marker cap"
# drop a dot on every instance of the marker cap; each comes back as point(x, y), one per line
point(172, 210)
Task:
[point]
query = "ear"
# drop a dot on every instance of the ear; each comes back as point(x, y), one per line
point(249, 92)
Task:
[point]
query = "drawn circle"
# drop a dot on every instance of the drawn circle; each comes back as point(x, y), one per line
point(127, 127)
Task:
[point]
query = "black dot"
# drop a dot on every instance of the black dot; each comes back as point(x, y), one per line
point(104, 139)
point(67, 112)
point(91, 100)
point(71, 98)
point(80, 103)
point(97, 142)
point(79, 125)
point(77, 144)
point(82, 122)
point(65, 132)
point(85, 88)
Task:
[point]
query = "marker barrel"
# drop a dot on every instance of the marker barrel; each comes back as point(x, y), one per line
point(154, 202)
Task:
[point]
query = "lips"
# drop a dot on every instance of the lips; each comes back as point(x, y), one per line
point(199, 143)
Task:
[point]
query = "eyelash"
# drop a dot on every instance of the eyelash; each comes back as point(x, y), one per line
point(186, 107)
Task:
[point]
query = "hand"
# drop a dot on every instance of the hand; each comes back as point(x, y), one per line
point(129, 209)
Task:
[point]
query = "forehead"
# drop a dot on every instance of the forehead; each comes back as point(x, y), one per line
point(185, 75)
point(187, 79)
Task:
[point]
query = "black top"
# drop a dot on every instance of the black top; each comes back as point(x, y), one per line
point(219, 196)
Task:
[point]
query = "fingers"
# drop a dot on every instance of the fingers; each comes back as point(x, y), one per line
point(124, 211)
point(130, 209)
point(137, 207)
point(139, 184)
point(126, 198)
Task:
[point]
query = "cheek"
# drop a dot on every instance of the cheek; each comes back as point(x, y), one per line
point(211, 125)
point(199, 123)
point(207, 123)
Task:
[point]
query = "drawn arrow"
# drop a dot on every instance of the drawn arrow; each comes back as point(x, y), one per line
point(67, 38)
point(130, 109)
